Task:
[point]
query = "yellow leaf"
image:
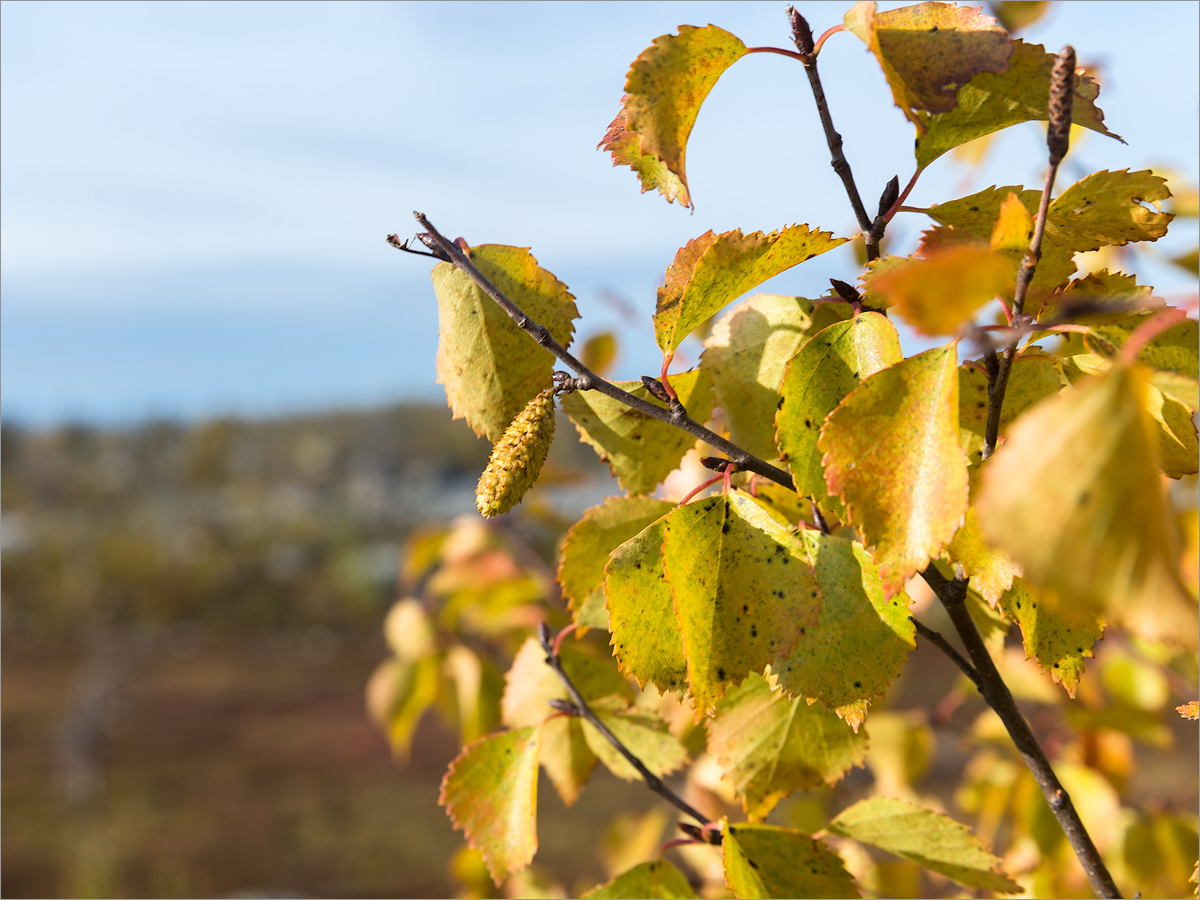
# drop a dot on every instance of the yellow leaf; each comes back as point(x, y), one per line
point(937, 295)
point(652, 172)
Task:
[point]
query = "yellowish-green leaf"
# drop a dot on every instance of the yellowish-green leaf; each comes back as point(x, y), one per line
point(817, 379)
point(641, 451)
point(646, 640)
point(892, 454)
point(713, 270)
point(747, 353)
point(566, 756)
point(862, 638)
point(602, 529)
point(990, 570)
point(990, 102)
point(490, 792)
point(770, 745)
point(599, 351)
point(1177, 349)
point(768, 861)
point(531, 684)
point(1058, 638)
point(399, 694)
point(929, 50)
point(937, 295)
point(926, 838)
point(1015, 15)
point(1032, 378)
point(1098, 297)
point(652, 172)
point(1090, 524)
point(667, 84)
point(1109, 209)
point(744, 591)
point(654, 880)
point(648, 739)
point(489, 366)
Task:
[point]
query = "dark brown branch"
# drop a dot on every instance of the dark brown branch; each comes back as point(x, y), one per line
point(586, 379)
point(953, 595)
point(581, 709)
point(872, 231)
point(942, 644)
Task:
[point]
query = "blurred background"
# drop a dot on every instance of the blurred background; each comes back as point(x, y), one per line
point(222, 438)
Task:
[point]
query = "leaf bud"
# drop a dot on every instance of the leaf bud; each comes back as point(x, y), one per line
point(846, 291)
point(801, 33)
point(889, 195)
point(1062, 98)
point(654, 386)
point(517, 458)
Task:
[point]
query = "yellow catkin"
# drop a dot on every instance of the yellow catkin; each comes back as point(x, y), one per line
point(517, 458)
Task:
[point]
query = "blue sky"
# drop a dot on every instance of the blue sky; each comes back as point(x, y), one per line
point(195, 195)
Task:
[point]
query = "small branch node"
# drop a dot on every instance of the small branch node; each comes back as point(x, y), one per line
point(656, 389)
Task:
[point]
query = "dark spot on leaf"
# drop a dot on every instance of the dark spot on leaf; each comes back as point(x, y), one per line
point(855, 374)
point(814, 594)
point(1056, 665)
point(720, 673)
point(753, 864)
point(802, 631)
point(745, 608)
point(786, 560)
point(725, 528)
point(753, 631)
point(637, 565)
point(858, 684)
point(933, 29)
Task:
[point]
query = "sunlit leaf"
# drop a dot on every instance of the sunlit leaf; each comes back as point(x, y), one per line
point(818, 378)
point(928, 51)
point(398, 695)
point(1017, 14)
point(990, 570)
point(768, 861)
point(646, 640)
point(490, 792)
point(652, 172)
point(1089, 522)
point(1176, 349)
point(641, 451)
point(664, 90)
point(489, 366)
point(654, 879)
point(746, 354)
point(599, 351)
point(1059, 640)
point(646, 738)
point(892, 454)
point(862, 638)
point(588, 544)
point(990, 102)
point(1109, 209)
point(744, 591)
point(1098, 297)
point(926, 838)
point(713, 270)
point(531, 683)
point(938, 294)
point(770, 745)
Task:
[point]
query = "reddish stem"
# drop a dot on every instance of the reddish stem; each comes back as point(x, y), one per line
point(666, 382)
point(792, 53)
point(562, 634)
point(829, 33)
point(694, 491)
point(1148, 331)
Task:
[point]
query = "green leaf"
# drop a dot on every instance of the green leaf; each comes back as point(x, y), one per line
point(926, 838)
point(647, 738)
point(818, 378)
point(990, 102)
point(489, 366)
point(744, 591)
point(1032, 378)
point(746, 354)
point(641, 451)
point(646, 640)
point(664, 89)
point(490, 793)
point(892, 454)
point(768, 861)
point(928, 50)
point(1109, 209)
point(770, 745)
point(862, 638)
point(652, 172)
point(655, 879)
point(713, 270)
point(587, 546)
point(1090, 523)
point(1177, 349)
point(1058, 642)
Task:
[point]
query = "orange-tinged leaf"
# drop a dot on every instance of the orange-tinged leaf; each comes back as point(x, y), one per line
point(937, 295)
point(862, 638)
point(990, 570)
point(656, 880)
point(768, 861)
point(490, 792)
point(641, 612)
point(928, 51)
point(771, 745)
point(665, 87)
point(744, 591)
point(990, 102)
point(1058, 642)
point(818, 378)
point(652, 172)
point(746, 354)
point(1090, 524)
point(489, 366)
point(1189, 710)
point(530, 683)
point(713, 270)
point(892, 454)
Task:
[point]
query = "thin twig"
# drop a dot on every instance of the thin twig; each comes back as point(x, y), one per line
point(656, 784)
point(586, 379)
point(942, 644)
point(802, 35)
point(953, 595)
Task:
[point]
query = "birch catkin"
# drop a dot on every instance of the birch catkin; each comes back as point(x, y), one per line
point(517, 458)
